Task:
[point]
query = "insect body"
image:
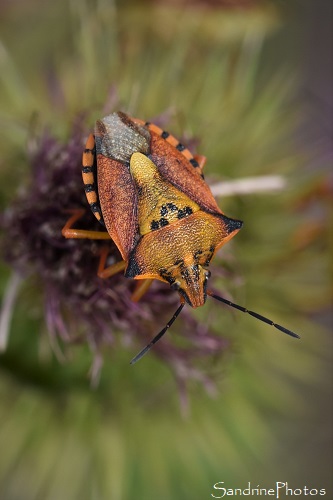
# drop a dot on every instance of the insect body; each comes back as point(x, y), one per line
point(148, 190)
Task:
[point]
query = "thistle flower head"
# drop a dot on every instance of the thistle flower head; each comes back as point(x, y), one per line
point(80, 306)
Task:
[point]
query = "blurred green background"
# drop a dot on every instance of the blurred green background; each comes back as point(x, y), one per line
point(243, 79)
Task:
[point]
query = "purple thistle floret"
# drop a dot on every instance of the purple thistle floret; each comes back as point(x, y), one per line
point(80, 306)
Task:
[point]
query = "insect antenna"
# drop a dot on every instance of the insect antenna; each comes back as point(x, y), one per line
point(254, 314)
point(158, 336)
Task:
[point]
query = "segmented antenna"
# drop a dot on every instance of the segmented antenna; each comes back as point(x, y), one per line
point(225, 301)
point(254, 314)
point(158, 336)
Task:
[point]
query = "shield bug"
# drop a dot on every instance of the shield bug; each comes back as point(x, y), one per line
point(148, 191)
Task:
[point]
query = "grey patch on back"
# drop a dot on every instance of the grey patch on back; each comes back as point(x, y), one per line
point(117, 137)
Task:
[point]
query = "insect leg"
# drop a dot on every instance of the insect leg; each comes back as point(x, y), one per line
point(140, 289)
point(106, 272)
point(69, 232)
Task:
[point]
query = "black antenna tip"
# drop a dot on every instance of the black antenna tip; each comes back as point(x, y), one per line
point(288, 332)
point(140, 355)
point(254, 315)
point(159, 335)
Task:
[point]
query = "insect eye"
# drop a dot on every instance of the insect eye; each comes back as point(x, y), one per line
point(175, 285)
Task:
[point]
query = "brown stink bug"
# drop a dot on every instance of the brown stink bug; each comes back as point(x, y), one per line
point(148, 191)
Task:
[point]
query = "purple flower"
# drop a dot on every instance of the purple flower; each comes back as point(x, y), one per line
point(80, 306)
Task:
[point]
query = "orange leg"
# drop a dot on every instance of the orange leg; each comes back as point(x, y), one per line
point(201, 160)
point(69, 232)
point(140, 289)
point(103, 272)
point(106, 272)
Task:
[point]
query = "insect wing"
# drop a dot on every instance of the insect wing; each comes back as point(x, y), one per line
point(118, 201)
point(175, 168)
